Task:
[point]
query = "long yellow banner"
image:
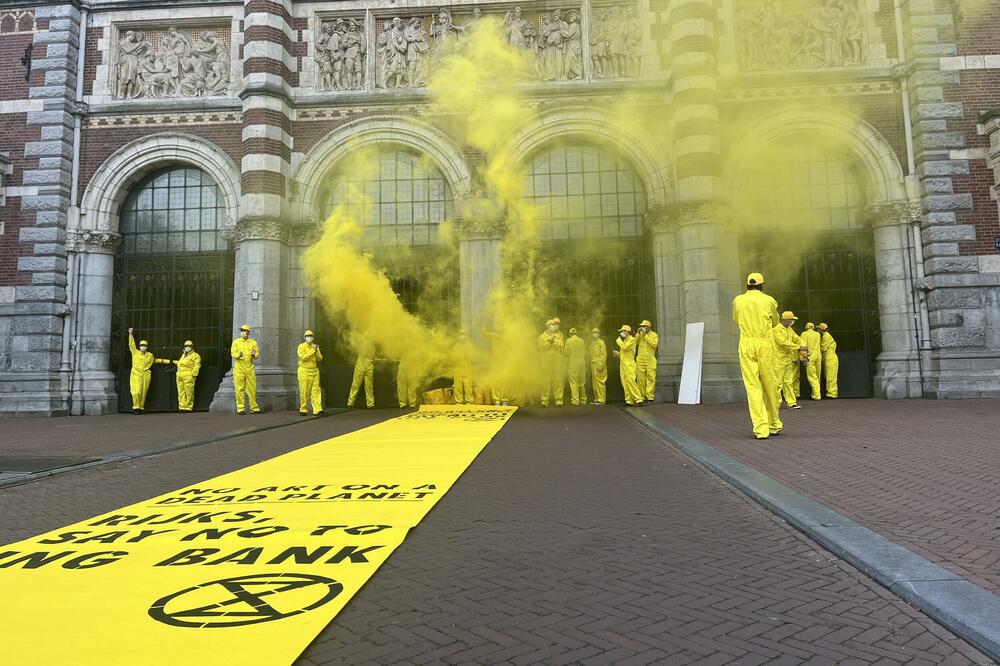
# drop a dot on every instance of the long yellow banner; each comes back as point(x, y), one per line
point(245, 568)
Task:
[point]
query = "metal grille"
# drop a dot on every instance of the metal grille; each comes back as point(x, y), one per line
point(173, 210)
point(584, 191)
point(401, 200)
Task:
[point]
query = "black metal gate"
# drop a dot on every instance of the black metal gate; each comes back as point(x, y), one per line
point(167, 300)
point(834, 281)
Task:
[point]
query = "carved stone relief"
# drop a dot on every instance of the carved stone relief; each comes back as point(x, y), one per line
point(158, 63)
point(797, 34)
point(402, 51)
point(615, 41)
point(341, 50)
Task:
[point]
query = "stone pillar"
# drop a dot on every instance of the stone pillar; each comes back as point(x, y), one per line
point(669, 307)
point(90, 382)
point(898, 372)
point(480, 233)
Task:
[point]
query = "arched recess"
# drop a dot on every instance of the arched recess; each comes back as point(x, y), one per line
point(113, 180)
point(888, 245)
point(643, 150)
point(408, 133)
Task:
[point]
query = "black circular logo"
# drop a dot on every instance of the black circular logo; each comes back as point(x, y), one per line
point(243, 600)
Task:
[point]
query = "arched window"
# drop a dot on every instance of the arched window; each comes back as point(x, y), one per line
point(803, 183)
point(404, 199)
point(174, 210)
point(585, 191)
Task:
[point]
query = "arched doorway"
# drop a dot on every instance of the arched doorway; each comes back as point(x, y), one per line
point(173, 281)
point(801, 217)
point(595, 261)
point(400, 200)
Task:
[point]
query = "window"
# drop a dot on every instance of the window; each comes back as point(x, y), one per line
point(175, 210)
point(583, 191)
point(399, 202)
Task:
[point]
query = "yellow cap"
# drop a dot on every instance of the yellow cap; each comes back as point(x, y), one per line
point(645, 322)
point(595, 330)
point(810, 325)
point(188, 343)
point(307, 333)
point(143, 342)
point(625, 327)
point(788, 314)
point(556, 320)
point(245, 327)
point(823, 327)
point(755, 278)
point(572, 331)
point(550, 322)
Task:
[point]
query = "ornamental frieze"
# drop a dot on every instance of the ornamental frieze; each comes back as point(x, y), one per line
point(157, 62)
point(340, 54)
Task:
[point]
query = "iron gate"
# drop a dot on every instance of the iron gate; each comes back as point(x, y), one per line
point(167, 300)
point(834, 282)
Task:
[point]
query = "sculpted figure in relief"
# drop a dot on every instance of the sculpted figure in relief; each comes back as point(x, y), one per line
point(180, 67)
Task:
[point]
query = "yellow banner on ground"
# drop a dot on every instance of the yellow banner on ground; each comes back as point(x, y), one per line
point(245, 568)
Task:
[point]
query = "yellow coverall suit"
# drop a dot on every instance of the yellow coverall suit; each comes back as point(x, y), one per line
point(627, 369)
point(188, 367)
point(500, 394)
point(599, 369)
point(244, 375)
point(831, 364)
point(756, 314)
point(646, 344)
point(786, 359)
point(551, 346)
point(138, 379)
point(810, 338)
point(308, 372)
point(464, 391)
point(406, 383)
point(364, 371)
point(576, 365)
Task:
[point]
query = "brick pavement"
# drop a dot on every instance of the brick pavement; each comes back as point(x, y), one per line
point(576, 537)
point(925, 474)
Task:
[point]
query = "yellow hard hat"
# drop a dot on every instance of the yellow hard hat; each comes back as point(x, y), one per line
point(572, 331)
point(810, 325)
point(823, 327)
point(307, 333)
point(788, 314)
point(595, 330)
point(143, 342)
point(245, 327)
point(188, 343)
point(556, 320)
point(550, 322)
point(645, 322)
point(755, 278)
point(625, 327)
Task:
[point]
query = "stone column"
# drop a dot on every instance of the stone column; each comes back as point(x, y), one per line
point(898, 367)
point(480, 231)
point(89, 379)
point(669, 307)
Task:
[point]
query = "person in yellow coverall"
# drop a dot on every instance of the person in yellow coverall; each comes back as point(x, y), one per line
point(407, 380)
point(561, 366)
point(576, 367)
point(138, 378)
point(188, 367)
point(810, 339)
point(245, 352)
point(364, 371)
point(309, 388)
point(598, 367)
point(787, 347)
point(646, 342)
point(464, 390)
point(831, 364)
point(627, 369)
point(756, 314)
point(551, 347)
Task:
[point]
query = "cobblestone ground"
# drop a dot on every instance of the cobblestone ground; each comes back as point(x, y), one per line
point(575, 538)
point(923, 473)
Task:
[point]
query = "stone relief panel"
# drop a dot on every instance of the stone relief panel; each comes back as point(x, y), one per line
point(800, 34)
point(402, 50)
point(554, 39)
point(171, 62)
point(615, 41)
point(341, 48)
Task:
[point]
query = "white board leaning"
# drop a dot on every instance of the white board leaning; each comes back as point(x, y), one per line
point(690, 390)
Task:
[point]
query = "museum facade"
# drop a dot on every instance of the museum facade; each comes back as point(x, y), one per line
point(165, 165)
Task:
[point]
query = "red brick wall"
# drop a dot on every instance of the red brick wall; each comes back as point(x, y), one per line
point(14, 133)
point(92, 58)
point(12, 83)
point(979, 27)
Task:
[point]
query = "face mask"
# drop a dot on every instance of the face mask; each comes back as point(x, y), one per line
point(244, 335)
point(596, 335)
point(309, 338)
point(623, 334)
point(142, 348)
point(187, 349)
point(552, 329)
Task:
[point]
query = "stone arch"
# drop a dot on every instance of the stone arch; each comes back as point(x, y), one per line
point(394, 130)
point(873, 152)
point(641, 148)
point(113, 180)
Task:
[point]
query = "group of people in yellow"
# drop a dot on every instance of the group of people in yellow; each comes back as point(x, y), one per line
point(771, 354)
point(188, 366)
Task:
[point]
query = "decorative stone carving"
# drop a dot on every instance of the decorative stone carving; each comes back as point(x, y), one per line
point(402, 51)
point(97, 242)
point(340, 54)
point(615, 42)
point(797, 34)
point(560, 46)
point(304, 235)
point(892, 214)
point(171, 63)
point(255, 228)
point(17, 21)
